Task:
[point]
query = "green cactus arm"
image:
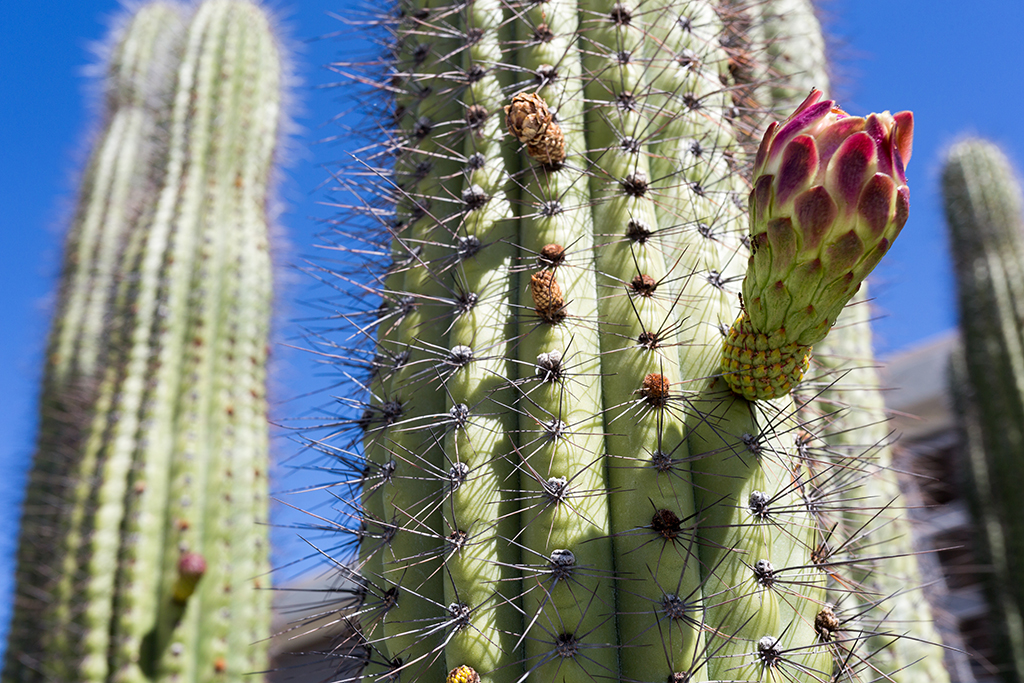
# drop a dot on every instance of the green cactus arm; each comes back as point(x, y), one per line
point(176, 439)
point(994, 543)
point(641, 382)
point(983, 205)
point(701, 205)
point(561, 423)
point(748, 482)
point(429, 135)
point(859, 489)
point(117, 196)
point(140, 78)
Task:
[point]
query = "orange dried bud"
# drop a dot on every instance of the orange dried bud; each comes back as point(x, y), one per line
point(552, 254)
point(655, 389)
point(548, 300)
point(530, 121)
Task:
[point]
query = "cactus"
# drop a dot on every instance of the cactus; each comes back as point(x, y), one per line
point(557, 481)
point(843, 407)
point(140, 553)
point(853, 445)
point(983, 205)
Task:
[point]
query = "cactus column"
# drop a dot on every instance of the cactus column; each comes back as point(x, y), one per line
point(559, 483)
point(156, 555)
point(983, 209)
point(852, 480)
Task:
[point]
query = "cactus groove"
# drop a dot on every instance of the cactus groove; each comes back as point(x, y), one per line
point(141, 526)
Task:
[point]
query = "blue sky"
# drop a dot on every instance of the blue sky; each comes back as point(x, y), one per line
point(960, 72)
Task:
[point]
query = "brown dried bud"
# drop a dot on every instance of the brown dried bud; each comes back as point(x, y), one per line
point(826, 624)
point(551, 255)
point(530, 121)
point(644, 285)
point(548, 300)
point(666, 524)
point(655, 389)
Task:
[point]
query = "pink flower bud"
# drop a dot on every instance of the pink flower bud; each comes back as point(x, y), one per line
point(829, 197)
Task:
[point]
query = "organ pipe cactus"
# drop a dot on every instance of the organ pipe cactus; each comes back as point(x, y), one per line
point(850, 444)
point(984, 212)
point(558, 482)
point(141, 556)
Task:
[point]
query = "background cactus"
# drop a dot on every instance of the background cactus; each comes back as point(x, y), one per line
point(557, 485)
point(141, 555)
point(984, 211)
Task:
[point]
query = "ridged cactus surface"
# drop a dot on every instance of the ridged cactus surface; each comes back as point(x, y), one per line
point(142, 556)
point(558, 483)
point(854, 449)
point(984, 207)
point(847, 431)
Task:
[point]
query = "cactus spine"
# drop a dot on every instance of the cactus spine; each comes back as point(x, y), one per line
point(984, 212)
point(148, 483)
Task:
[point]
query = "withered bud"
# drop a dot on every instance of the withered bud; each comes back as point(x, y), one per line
point(644, 285)
point(548, 300)
point(551, 255)
point(530, 121)
point(655, 389)
point(666, 524)
point(826, 624)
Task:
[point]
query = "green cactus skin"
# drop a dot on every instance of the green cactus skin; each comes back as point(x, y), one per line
point(171, 459)
point(562, 491)
point(795, 52)
point(854, 449)
point(983, 205)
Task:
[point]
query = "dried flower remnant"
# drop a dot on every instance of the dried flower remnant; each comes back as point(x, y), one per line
point(531, 122)
point(548, 299)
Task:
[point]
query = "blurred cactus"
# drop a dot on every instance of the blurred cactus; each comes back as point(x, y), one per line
point(984, 205)
point(141, 556)
point(557, 482)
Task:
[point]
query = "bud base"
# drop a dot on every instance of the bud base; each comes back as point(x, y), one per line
point(762, 366)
